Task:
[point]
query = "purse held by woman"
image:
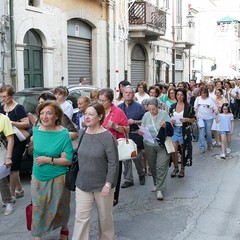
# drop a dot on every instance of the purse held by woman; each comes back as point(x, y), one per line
point(72, 172)
point(29, 216)
point(127, 148)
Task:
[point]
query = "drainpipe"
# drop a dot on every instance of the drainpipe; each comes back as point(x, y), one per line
point(3, 42)
point(116, 80)
point(173, 42)
point(110, 41)
point(12, 44)
point(108, 60)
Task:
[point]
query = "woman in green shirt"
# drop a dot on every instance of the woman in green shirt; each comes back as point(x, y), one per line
point(52, 154)
point(158, 159)
point(169, 98)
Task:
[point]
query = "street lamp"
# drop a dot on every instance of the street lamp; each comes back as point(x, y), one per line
point(190, 19)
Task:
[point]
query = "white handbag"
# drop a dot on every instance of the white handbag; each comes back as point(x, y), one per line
point(127, 148)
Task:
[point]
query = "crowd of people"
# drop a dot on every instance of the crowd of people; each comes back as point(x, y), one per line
point(165, 110)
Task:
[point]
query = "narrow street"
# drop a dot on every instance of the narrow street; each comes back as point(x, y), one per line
point(204, 205)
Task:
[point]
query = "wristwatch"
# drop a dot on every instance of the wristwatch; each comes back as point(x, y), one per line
point(117, 127)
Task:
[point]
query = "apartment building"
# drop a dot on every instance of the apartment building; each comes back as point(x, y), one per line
point(57, 42)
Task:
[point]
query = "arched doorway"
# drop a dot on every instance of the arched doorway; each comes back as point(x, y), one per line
point(137, 65)
point(33, 60)
point(79, 51)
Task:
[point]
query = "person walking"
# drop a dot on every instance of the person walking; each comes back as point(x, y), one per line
point(82, 102)
point(61, 94)
point(158, 159)
point(219, 101)
point(117, 123)
point(141, 92)
point(226, 127)
point(134, 112)
point(52, 153)
point(97, 176)
point(182, 116)
point(6, 148)
point(205, 108)
point(20, 121)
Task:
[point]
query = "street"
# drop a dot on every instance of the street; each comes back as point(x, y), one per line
point(204, 205)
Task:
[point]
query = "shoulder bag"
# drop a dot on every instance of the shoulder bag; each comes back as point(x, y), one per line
point(72, 172)
point(127, 148)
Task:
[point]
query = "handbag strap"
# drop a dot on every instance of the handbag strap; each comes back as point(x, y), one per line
point(154, 125)
point(124, 133)
point(80, 140)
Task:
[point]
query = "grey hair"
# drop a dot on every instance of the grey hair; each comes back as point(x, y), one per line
point(129, 87)
point(152, 101)
point(195, 91)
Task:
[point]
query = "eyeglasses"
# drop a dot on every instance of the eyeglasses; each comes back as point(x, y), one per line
point(102, 101)
point(5, 96)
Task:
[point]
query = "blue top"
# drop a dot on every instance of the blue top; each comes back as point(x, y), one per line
point(225, 122)
point(134, 110)
point(50, 144)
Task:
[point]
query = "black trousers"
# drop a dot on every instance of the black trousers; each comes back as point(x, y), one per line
point(117, 190)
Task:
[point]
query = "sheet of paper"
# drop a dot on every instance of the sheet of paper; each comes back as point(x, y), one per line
point(4, 172)
point(146, 134)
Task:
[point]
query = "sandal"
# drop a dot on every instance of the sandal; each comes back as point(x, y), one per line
point(181, 174)
point(19, 194)
point(174, 172)
point(64, 234)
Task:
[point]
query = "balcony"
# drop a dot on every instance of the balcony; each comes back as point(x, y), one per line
point(146, 21)
point(185, 38)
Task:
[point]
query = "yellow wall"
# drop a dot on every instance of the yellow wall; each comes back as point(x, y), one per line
point(99, 11)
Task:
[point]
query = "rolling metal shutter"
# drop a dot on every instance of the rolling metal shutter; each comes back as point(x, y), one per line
point(137, 72)
point(178, 77)
point(79, 60)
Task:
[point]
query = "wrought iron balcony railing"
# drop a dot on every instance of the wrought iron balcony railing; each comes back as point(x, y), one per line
point(143, 13)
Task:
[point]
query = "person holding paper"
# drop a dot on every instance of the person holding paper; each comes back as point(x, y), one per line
point(182, 115)
point(6, 158)
point(158, 159)
point(19, 119)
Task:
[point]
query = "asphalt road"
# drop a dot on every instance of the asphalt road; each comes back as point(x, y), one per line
point(204, 205)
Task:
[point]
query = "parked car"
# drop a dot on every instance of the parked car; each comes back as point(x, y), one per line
point(29, 99)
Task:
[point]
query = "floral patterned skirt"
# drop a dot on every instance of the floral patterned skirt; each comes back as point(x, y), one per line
point(50, 202)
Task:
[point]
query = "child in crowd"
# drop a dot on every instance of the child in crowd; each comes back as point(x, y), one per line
point(226, 126)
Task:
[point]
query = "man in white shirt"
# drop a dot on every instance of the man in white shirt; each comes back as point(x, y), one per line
point(211, 89)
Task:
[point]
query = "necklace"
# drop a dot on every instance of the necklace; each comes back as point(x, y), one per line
point(107, 113)
point(9, 109)
point(98, 131)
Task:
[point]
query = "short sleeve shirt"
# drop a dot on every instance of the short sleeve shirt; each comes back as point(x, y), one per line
point(117, 116)
point(153, 123)
point(7, 130)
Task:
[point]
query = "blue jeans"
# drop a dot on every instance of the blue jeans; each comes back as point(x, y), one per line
point(206, 130)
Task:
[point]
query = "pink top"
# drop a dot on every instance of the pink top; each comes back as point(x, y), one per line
point(117, 116)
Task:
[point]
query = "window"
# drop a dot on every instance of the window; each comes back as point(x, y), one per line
point(33, 4)
point(30, 2)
